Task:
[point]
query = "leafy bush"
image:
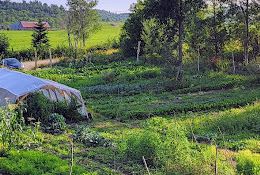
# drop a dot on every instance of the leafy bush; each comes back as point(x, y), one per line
point(37, 106)
point(145, 144)
point(69, 111)
point(56, 124)
point(34, 163)
point(11, 128)
point(108, 76)
point(89, 138)
point(248, 163)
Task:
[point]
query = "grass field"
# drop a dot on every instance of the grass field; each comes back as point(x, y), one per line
point(20, 40)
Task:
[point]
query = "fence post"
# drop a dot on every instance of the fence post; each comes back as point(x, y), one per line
point(146, 166)
point(138, 51)
point(50, 57)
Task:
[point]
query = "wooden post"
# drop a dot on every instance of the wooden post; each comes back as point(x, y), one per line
point(72, 152)
point(36, 58)
point(198, 58)
point(216, 161)
point(50, 57)
point(234, 66)
point(145, 164)
point(138, 51)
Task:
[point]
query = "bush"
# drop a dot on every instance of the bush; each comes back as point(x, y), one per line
point(145, 144)
point(56, 124)
point(34, 163)
point(248, 163)
point(10, 128)
point(38, 107)
point(69, 111)
point(89, 138)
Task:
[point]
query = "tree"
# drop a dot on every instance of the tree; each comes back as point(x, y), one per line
point(4, 43)
point(40, 39)
point(83, 21)
point(249, 10)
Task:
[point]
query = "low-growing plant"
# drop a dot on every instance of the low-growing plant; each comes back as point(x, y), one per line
point(34, 163)
point(56, 124)
point(248, 163)
point(11, 128)
point(90, 138)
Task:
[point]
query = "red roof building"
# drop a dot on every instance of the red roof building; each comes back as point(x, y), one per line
point(27, 25)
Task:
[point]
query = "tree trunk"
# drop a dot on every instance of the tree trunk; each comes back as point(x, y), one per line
point(198, 58)
point(234, 65)
point(36, 59)
point(179, 74)
point(215, 29)
point(70, 45)
point(247, 32)
point(50, 57)
point(84, 39)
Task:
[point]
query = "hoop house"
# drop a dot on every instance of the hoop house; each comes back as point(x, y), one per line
point(16, 86)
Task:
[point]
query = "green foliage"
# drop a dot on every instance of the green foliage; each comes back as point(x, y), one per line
point(37, 106)
point(35, 162)
point(158, 49)
point(40, 40)
point(89, 138)
point(4, 43)
point(248, 163)
point(145, 144)
point(69, 111)
point(11, 128)
point(56, 124)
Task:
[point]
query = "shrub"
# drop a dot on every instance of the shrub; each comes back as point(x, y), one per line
point(69, 111)
point(145, 144)
point(10, 128)
point(248, 163)
point(56, 124)
point(37, 106)
point(34, 163)
point(89, 138)
point(108, 76)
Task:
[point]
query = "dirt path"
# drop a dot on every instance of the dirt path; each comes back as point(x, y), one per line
point(30, 65)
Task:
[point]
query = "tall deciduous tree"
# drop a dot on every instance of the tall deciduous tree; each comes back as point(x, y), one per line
point(40, 39)
point(184, 8)
point(249, 10)
point(82, 20)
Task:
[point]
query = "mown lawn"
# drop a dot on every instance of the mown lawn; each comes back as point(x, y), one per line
point(20, 40)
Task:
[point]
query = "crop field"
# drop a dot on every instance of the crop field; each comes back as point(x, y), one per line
point(139, 111)
point(20, 40)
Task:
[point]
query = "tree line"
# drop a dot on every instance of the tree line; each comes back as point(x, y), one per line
point(12, 12)
point(178, 30)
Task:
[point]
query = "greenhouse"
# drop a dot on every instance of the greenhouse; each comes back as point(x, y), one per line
point(16, 86)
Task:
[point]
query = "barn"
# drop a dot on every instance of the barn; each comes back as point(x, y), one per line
point(16, 86)
point(27, 25)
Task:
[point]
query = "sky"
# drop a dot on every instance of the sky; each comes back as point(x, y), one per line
point(116, 6)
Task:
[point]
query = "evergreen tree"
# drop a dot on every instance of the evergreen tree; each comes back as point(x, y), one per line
point(40, 40)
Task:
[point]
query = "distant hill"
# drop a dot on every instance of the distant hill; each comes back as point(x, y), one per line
point(12, 12)
point(112, 17)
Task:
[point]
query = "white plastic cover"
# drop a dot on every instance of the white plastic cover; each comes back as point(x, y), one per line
point(14, 85)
